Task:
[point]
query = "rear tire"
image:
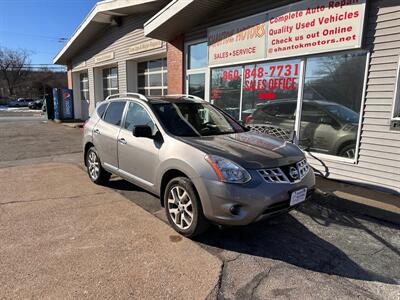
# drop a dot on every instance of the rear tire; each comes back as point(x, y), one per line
point(96, 172)
point(183, 208)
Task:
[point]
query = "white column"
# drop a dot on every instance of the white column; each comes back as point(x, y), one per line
point(77, 95)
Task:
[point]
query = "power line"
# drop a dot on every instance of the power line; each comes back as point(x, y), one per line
point(57, 39)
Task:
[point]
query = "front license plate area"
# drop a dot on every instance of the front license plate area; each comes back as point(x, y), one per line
point(298, 196)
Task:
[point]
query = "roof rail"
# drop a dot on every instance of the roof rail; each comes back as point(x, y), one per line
point(133, 95)
point(192, 97)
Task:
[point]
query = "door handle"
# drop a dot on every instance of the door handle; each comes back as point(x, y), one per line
point(122, 141)
point(96, 131)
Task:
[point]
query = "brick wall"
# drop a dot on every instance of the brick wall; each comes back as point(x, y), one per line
point(175, 65)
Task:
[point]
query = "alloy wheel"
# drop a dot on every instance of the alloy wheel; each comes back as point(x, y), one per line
point(93, 165)
point(180, 207)
point(350, 153)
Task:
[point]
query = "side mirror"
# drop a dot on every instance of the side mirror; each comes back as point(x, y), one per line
point(143, 131)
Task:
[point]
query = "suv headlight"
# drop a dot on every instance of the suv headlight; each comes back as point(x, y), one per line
point(227, 170)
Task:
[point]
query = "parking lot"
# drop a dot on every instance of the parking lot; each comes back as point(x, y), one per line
point(317, 251)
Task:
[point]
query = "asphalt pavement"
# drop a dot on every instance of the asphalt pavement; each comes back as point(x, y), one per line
point(316, 251)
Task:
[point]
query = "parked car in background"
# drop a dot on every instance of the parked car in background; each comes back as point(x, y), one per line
point(20, 102)
point(326, 126)
point(204, 166)
point(37, 104)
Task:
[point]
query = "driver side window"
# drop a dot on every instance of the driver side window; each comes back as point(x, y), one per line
point(137, 115)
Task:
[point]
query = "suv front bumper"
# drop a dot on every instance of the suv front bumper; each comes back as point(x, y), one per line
point(242, 204)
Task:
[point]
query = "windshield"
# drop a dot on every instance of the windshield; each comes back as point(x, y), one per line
point(343, 113)
point(194, 119)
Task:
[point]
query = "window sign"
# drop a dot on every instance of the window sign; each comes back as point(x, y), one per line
point(226, 84)
point(269, 82)
point(315, 26)
point(306, 27)
point(237, 41)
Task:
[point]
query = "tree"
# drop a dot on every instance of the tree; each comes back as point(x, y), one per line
point(12, 67)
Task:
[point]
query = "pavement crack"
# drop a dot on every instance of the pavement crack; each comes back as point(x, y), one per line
point(261, 276)
point(50, 198)
point(215, 292)
point(232, 259)
point(377, 251)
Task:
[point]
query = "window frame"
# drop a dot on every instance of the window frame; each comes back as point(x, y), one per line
point(302, 73)
point(205, 70)
point(396, 96)
point(82, 91)
point(108, 77)
point(163, 72)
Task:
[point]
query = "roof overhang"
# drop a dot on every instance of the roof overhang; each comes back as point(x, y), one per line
point(104, 13)
point(179, 16)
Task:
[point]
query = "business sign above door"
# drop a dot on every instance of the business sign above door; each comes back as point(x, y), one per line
point(237, 41)
point(310, 27)
point(306, 27)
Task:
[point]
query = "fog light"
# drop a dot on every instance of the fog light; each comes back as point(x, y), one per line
point(235, 209)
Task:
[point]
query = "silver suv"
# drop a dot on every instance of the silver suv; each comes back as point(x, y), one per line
point(204, 166)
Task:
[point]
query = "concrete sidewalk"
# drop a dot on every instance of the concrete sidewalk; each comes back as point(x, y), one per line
point(362, 200)
point(64, 237)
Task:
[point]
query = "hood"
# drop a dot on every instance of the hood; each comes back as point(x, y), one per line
point(248, 149)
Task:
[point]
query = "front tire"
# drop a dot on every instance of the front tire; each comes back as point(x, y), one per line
point(183, 208)
point(96, 172)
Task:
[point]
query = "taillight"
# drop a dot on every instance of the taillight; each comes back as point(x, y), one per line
point(84, 124)
point(248, 119)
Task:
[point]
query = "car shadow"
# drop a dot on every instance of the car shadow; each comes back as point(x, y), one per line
point(123, 185)
point(286, 239)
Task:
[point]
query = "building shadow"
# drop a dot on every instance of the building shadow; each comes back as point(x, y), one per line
point(286, 239)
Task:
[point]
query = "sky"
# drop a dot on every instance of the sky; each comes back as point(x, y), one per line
point(37, 25)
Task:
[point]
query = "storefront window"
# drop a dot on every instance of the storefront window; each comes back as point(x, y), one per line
point(84, 86)
point(110, 81)
point(270, 92)
point(196, 85)
point(198, 56)
point(226, 84)
point(333, 91)
point(152, 77)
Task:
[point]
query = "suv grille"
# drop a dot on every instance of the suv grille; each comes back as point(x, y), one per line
point(286, 174)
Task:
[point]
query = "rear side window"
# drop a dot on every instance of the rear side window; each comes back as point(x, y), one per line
point(101, 109)
point(113, 114)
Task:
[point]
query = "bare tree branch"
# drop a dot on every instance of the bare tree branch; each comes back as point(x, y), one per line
point(12, 66)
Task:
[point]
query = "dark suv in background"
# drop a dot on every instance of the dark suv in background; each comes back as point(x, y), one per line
point(326, 127)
